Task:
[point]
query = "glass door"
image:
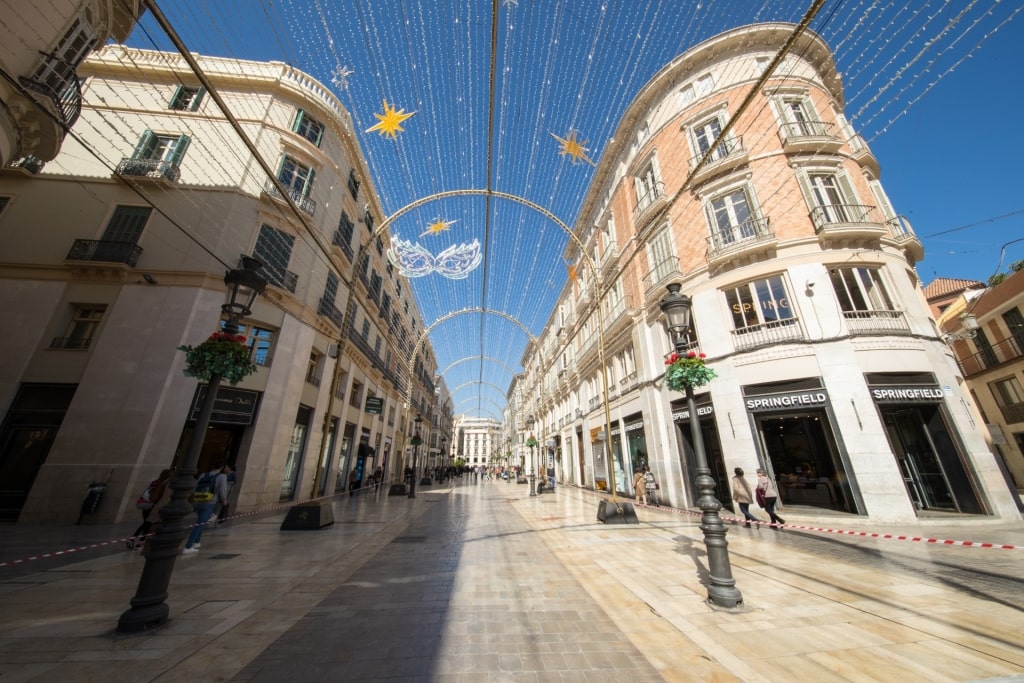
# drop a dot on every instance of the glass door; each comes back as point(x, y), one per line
point(922, 471)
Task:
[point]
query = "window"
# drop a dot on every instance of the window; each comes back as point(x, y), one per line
point(798, 116)
point(79, 333)
point(731, 217)
point(833, 199)
point(760, 64)
point(380, 246)
point(331, 288)
point(1010, 398)
point(704, 135)
point(648, 185)
point(355, 397)
point(339, 391)
point(860, 289)
point(1015, 324)
point(186, 98)
point(366, 330)
point(295, 177)
point(274, 249)
point(343, 236)
point(259, 340)
point(159, 147)
point(4, 201)
point(368, 219)
point(705, 84)
point(353, 184)
point(57, 70)
point(662, 260)
point(126, 224)
point(313, 368)
point(686, 95)
point(308, 127)
point(759, 302)
point(375, 285)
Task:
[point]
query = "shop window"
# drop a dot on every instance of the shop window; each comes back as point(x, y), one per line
point(760, 302)
point(82, 328)
point(186, 98)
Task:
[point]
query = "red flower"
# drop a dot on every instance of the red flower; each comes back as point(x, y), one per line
point(693, 354)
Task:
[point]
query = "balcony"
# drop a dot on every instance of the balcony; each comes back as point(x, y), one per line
point(903, 235)
point(155, 169)
point(305, 204)
point(809, 136)
point(103, 251)
point(849, 222)
point(1013, 413)
point(767, 334)
point(28, 164)
point(1007, 350)
point(752, 236)
point(328, 310)
point(876, 322)
point(862, 154)
point(661, 274)
point(729, 154)
point(279, 277)
point(57, 81)
point(648, 205)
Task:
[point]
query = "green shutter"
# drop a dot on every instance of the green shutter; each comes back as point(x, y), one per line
point(298, 120)
point(197, 100)
point(146, 147)
point(179, 150)
point(174, 98)
point(309, 183)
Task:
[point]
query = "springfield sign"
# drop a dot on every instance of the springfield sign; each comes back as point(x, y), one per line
point(913, 394)
point(809, 399)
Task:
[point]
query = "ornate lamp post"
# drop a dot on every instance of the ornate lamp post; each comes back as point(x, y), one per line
point(531, 444)
point(148, 607)
point(416, 441)
point(688, 370)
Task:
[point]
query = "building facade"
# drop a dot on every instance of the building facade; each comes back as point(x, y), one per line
point(41, 47)
point(114, 256)
point(747, 185)
point(479, 441)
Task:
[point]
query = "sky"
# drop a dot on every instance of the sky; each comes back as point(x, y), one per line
point(931, 85)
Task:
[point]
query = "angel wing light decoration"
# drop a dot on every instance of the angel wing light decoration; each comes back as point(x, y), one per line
point(413, 260)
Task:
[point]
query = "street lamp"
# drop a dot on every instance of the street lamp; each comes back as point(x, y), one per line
point(532, 443)
point(416, 441)
point(723, 591)
point(148, 607)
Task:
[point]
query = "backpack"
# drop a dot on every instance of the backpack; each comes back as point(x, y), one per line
point(145, 501)
point(204, 488)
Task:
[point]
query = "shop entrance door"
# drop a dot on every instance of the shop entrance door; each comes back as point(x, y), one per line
point(716, 463)
point(928, 460)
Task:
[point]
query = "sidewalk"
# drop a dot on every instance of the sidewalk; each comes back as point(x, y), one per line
point(480, 582)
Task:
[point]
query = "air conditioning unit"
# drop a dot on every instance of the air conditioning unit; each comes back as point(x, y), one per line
point(332, 350)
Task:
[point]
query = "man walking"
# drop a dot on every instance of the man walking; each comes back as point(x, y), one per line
point(211, 490)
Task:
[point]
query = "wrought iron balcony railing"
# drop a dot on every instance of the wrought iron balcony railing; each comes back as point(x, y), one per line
point(279, 277)
point(767, 334)
point(104, 251)
point(752, 229)
point(302, 201)
point(807, 129)
point(1003, 351)
point(328, 310)
point(845, 214)
point(56, 79)
point(149, 168)
point(28, 163)
point(876, 322)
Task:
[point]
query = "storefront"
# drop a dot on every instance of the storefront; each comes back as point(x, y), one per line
point(712, 447)
point(234, 410)
point(636, 448)
point(798, 444)
point(927, 450)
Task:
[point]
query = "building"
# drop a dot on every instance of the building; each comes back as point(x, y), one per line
point(748, 186)
point(41, 47)
point(114, 256)
point(479, 441)
point(985, 329)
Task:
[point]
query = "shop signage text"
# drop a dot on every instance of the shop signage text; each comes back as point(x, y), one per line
point(374, 405)
point(907, 394)
point(702, 411)
point(807, 400)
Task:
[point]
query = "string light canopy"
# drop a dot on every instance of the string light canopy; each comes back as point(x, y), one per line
point(523, 98)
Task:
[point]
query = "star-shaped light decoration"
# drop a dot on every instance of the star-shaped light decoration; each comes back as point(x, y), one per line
point(390, 122)
point(339, 79)
point(574, 148)
point(437, 226)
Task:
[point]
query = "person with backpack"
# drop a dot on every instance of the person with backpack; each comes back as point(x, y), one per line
point(211, 489)
point(147, 503)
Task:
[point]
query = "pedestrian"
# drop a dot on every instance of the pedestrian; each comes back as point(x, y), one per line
point(640, 486)
point(551, 476)
point(767, 495)
point(651, 486)
point(743, 496)
point(378, 477)
point(353, 482)
point(211, 490)
point(147, 504)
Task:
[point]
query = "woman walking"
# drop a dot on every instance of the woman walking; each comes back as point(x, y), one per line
point(639, 487)
point(743, 496)
point(767, 495)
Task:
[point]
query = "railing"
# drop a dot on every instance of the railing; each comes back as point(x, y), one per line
point(72, 343)
point(279, 277)
point(1001, 352)
point(343, 244)
point(61, 86)
point(28, 163)
point(328, 310)
point(767, 334)
point(105, 252)
point(751, 230)
point(304, 203)
point(876, 322)
point(807, 129)
point(1013, 413)
point(649, 198)
point(662, 272)
point(148, 168)
point(900, 228)
point(833, 214)
point(726, 148)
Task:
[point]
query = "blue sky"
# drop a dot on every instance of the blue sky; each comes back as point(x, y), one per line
point(945, 133)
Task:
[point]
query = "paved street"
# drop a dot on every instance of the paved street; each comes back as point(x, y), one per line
point(480, 582)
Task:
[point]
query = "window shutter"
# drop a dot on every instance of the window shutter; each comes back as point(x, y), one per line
point(883, 201)
point(197, 100)
point(846, 187)
point(146, 147)
point(298, 120)
point(179, 149)
point(174, 97)
point(309, 183)
point(805, 187)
